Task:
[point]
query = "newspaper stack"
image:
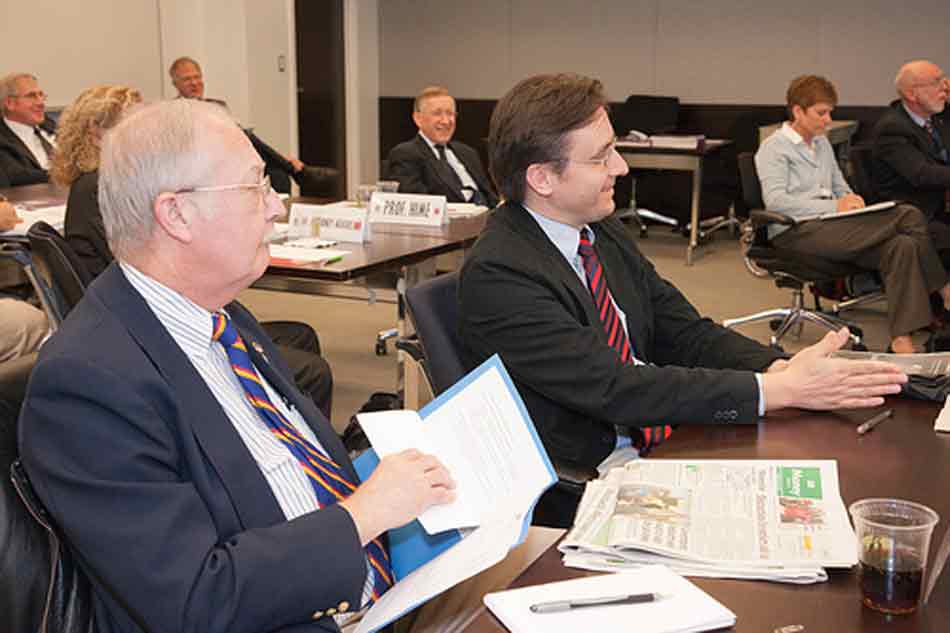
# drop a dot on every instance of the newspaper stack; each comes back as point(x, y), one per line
point(769, 520)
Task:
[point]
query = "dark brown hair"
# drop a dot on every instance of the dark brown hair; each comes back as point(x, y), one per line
point(807, 90)
point(531, 122)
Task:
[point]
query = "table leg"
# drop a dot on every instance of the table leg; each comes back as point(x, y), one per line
point(694, 212)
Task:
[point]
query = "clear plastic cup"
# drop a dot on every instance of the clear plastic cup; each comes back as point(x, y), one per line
point(388, 186)
point(364, 193)
point(893, 542)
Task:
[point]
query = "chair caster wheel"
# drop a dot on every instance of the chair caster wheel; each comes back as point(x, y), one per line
point(775, 324)
point(381, 348)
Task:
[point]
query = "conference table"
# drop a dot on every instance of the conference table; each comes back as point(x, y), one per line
point(646, 156)
point(903, 457)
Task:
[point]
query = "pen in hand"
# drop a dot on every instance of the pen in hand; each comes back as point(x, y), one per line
point(871, 423)
point(579, 603)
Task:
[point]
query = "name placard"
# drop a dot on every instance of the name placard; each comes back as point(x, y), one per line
point(408, 208)
point(342, 222)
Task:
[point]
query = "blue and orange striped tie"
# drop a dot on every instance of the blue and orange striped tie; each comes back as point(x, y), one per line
point(327, 478)
point(651, 436)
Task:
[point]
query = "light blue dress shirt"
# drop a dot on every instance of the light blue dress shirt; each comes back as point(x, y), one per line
point(798, 179)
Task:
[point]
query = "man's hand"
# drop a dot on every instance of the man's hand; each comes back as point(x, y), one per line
point(296, 163)
point(399, 490)
point(850, 202)
point(8, 216)
point(812, 380)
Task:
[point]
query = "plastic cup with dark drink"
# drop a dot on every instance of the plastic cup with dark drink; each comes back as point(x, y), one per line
point(893, 541)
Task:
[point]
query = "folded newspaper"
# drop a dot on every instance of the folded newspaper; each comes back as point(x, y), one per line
point(933, 364)
point(756, 519)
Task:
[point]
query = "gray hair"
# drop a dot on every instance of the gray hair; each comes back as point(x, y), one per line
point(908, 75)
point(178, 63)
point(8, 85)
point(153, 150)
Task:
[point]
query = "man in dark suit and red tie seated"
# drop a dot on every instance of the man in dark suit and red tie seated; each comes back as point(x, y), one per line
point(606, 353)
point(432, 163)
point(26, 136)
point(163, 431)
point(910, 158)
point(188, 79)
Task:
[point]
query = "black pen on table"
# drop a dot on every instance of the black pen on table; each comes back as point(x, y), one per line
point(579, 603)
point(872, 422)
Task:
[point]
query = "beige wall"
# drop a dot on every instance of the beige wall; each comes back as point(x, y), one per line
point(719, 51)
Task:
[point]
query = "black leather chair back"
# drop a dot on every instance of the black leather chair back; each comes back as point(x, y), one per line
point(433, 306)
point(650, 114)
point(749, 180)
point(859, 157)
point(55, 261)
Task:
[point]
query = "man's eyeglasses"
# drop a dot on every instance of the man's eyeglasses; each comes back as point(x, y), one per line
point(438, 114)
point(36, 95)
point(603, 162)
point(262, 188)
point(937, 82)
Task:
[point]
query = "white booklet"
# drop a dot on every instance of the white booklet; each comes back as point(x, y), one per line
point(481, 431)
point(681, 608)
point(838, 215)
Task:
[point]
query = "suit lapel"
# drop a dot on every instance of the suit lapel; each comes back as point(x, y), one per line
point(443, 171)
point(522, 222)
point(14, 140)
point(253, 499)
point(924, 140)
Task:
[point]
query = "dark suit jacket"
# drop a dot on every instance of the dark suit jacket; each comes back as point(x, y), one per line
point(84, 229)
point(519, 297)
point(905, 164)
point(17, 161)
point(146, 475)
point(418, 170)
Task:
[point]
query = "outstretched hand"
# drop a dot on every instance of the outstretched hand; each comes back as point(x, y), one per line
point(813, 380)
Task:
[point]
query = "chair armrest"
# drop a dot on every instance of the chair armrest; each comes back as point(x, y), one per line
point(762, 217)
point(412, 346)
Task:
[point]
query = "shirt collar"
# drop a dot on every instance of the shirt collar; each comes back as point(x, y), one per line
point(916, 118)
point(21, 129)
point(565, 237)
point(791, 134)
point(188, 323)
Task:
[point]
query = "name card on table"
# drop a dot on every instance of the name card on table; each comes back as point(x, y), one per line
point(341, 221)
point(408, 208)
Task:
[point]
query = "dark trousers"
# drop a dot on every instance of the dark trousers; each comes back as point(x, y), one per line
point(896, 242)
point(299, 344)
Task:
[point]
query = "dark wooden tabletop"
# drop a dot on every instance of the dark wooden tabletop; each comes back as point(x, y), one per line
point(710, 146)
point(902, 457)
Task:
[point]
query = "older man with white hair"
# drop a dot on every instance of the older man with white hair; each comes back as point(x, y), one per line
point(910, 153)
point(164, 432)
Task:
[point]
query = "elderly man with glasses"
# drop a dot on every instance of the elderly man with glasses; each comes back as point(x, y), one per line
point(163, 431)
point(910, 159)
point(26, 135)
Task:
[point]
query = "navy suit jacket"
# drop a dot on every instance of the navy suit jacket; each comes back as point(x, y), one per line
point(149, 480)
point(519, 297)
point(418, 170)
point(905, 164)
point(16, 159)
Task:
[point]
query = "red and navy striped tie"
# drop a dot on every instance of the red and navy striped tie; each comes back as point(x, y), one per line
point(651, 436)
point(327, 478)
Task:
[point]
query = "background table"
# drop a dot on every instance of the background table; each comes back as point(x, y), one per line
point(903, 457)
point(691, 160)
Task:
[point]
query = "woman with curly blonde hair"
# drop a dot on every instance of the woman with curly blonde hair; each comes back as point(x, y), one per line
point(76, 164)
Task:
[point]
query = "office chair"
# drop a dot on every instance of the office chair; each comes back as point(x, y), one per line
point(41, 588)
point(54, 270)
point(790, 269)
point(859, 160)
point(433, 307)
point(651, 115)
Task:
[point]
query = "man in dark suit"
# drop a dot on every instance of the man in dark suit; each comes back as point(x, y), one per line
point(603, 350)
point(187, 77)
point(161, 427)
point(26, 137)
point(432, 163)
point(910, 159)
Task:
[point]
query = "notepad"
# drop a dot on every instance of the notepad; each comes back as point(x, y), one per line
point(836, 215)
point(685, 607)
